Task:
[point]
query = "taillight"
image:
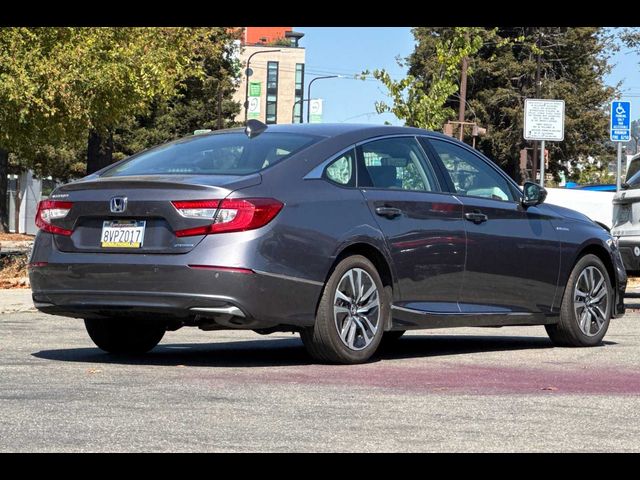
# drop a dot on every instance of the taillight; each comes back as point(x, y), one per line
point(49, 210)
point(198, 208)
point(230, 215)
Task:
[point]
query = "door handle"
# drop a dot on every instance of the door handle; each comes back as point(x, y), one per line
point(476, 217)
point(389, 212)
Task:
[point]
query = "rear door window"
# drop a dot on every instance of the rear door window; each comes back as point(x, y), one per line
point(395, 164)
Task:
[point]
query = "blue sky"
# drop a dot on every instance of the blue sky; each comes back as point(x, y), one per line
point(347, 51)
point(350, 50)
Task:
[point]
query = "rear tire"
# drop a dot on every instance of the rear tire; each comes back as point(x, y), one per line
point(351, 314)
point(586, 306)
point(125, 336)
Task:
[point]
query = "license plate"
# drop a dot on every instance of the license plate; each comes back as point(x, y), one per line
point(122, 233)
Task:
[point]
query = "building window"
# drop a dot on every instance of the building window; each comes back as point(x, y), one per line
point(272, 92)
point(299, 93)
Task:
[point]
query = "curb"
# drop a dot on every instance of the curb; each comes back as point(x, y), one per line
point(20, 246)
point(16, 300)
point(17, 309)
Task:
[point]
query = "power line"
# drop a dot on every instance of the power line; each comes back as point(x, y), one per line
point(346, 76)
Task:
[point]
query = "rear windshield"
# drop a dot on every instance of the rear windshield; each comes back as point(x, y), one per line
point(217, 154)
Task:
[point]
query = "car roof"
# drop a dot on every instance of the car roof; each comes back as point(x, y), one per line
point(334, 129)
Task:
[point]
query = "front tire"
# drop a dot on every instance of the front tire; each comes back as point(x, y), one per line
point(125, 335)
point(586, 306)
point(351, 314)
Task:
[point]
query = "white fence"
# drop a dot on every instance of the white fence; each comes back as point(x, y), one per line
point(31, 193)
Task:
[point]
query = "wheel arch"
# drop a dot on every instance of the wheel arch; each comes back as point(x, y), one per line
point(600, 252)
point(373, 254)
point(379, 260)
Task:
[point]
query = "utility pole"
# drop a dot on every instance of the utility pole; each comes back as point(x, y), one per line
point(534, 159)
point(220, 105)
point(463, 90)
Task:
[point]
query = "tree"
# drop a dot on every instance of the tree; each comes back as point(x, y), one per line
point(202, 102)
point(63, 91)
point(573, 65)
point(37, 107)
point(123, 70)
point(632, 146)
point(421, 101)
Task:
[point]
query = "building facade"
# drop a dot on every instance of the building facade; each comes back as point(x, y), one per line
point(275, 91)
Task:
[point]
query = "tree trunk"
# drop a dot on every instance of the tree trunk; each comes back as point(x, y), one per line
point(4, 185)
point(99, 151)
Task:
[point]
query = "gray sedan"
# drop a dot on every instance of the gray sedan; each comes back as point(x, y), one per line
point(347, 234)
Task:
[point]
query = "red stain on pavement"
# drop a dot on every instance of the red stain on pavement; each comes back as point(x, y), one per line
point(459, 379)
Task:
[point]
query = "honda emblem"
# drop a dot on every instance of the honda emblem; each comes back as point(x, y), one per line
point(118, 204)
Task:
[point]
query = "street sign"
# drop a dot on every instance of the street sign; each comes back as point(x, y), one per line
point(620, 121)
point(255, 89)
point(315, 110)
point(544, 120)
point(253, 110)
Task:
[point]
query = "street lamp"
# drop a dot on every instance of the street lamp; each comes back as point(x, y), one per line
point(293, 109)
point(309, 92)
point(246, 87)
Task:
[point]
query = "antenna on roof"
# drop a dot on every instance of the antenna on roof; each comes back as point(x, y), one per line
point(254, 128)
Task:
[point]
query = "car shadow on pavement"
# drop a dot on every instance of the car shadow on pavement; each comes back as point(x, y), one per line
point(414, 346)
point(289, 351)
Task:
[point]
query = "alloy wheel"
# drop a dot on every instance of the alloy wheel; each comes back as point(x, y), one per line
point(356, 309)
point(591, 301)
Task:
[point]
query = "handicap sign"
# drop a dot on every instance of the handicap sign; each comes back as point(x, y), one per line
point(620, 121)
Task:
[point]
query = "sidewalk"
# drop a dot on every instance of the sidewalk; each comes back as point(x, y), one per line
point(16, 300)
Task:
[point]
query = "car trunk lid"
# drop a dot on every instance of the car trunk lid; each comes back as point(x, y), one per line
point(144, 202)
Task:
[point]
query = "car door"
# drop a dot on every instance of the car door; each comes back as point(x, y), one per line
point(423, 226)
point(513, 253)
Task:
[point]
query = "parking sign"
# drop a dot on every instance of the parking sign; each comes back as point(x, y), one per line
point(620, 121)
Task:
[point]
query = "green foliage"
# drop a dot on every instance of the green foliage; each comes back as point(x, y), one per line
point(195, 106)
point(421, 102)
point(632, 145)
point(573, 65)
point(37, 103)
point(590, 173)
point(56, 84)
point(279, 42)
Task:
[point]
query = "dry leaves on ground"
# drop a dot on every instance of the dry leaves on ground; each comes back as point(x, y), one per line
point(13, 271)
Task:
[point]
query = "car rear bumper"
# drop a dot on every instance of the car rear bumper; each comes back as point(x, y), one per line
point(237, 299)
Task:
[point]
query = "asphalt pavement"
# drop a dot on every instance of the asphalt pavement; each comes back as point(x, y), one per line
point(466, 389)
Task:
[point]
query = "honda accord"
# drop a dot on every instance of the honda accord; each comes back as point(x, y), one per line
point(347, 234)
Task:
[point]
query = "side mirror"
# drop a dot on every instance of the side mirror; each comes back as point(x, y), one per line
point(534, 194)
